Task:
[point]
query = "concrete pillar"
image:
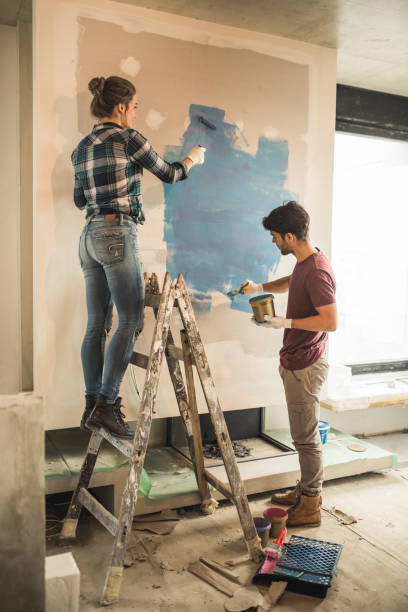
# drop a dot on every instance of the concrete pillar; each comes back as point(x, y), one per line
point(22, 495)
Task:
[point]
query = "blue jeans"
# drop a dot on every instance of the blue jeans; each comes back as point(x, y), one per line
point(109, 257)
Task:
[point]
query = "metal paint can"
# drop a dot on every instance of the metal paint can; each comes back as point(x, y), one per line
point(262, 305)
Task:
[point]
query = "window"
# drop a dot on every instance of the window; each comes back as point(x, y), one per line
point(370, 249)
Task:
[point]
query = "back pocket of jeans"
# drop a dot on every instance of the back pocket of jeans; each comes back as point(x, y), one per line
point(109, 247)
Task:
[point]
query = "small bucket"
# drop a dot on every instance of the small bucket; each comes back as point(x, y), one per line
point(323, 431)
point(277, 518)
point(262, 305)
point(263, 527)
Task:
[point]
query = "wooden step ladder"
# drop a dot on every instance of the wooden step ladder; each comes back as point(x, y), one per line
point(191, 353)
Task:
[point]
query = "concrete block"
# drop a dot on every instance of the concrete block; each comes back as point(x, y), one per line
point(62, 579)
point(22, 503)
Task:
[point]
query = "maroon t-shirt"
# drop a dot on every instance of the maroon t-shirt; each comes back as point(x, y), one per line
point(311, 285)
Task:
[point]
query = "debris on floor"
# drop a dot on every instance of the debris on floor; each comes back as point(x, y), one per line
point(212, 451)
point(164, 515)
point(220, 568)
point(342, 517)
point(243, 599)
point(160, 523)
point(212, 577)
point(142, 549)
point(273, 595)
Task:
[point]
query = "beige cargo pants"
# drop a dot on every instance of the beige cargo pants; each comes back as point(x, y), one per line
point(302, 388)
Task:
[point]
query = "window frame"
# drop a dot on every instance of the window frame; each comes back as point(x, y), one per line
point(372, 113)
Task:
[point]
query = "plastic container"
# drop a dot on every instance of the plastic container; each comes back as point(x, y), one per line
point(262, 305)
point(324, 428)
point(277, 518)
point(263, 527)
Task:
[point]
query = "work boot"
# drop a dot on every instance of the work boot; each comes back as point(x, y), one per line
point(110, 417)
point(89, 406)
point(306, 512)
point(287, 499)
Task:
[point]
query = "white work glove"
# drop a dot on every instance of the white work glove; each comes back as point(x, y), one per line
point(197, 155)
point(273, 322)
point(249, 286)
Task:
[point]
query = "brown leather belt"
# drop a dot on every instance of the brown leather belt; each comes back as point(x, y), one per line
point(111, 216)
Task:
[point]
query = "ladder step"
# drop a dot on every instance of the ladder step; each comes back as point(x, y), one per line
point(140, 360)
point(107, 519)
point(175, 351)
point(217, 484)
point(152, 299)
point(124, 446)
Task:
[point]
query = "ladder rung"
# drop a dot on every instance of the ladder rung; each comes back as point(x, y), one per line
point(107, 519)
point(140, 360)
point(222, 488)
point(152, 299)
point(175, 351)
point(124, 446)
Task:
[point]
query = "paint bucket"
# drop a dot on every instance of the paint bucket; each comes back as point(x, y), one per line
point(263, 527)
point(277, 518)
point(262, 305)
point(323, 431)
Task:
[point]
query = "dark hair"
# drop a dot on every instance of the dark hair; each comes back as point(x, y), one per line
point(107, 93)
point(291, 218)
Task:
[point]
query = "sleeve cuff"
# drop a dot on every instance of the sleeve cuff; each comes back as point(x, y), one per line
point(185, 169)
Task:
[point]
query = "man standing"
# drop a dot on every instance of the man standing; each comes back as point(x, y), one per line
point(311, 313)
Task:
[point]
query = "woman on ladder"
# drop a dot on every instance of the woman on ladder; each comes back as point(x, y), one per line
point(108, 165)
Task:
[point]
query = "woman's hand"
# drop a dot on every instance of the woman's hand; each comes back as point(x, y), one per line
point(197, 155)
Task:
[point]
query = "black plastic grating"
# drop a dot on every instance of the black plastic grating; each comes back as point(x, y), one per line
point(310, 556)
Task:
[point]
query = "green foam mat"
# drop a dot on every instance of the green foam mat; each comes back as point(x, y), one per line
point(336, 451)
point(169, 473)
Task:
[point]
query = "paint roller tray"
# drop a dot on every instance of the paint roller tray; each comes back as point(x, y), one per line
point(308, 565)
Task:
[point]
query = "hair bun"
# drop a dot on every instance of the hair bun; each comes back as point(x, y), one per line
point(96, 85)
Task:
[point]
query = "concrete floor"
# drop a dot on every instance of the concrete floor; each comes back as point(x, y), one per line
point(372, 570)
point(396, 442)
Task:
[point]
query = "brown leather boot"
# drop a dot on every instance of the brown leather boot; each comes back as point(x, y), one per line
point(305, 512)
point(287, 499)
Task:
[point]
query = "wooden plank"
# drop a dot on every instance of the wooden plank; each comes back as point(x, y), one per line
point(221, 569)
point(213, 578)
point(102, 515)
point(273, 595)
point(124, 446)
point(218, 420)
point(222, 488)
point(115, 571)
point(175, 352)
point(139, 360)
point(198, 454)
point(75, 507)
point(182, 401)
point(152, 299)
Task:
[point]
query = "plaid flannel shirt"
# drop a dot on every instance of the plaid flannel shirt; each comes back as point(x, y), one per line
point(108, 165)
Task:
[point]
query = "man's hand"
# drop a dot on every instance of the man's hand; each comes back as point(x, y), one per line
point(248, 287)
point(273, 322)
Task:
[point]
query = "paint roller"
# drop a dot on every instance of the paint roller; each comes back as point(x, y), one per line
point(203, 120)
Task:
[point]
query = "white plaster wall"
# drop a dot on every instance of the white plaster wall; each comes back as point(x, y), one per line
point(245, 364)
point(10, 353)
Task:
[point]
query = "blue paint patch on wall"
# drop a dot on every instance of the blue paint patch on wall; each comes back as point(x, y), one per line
point(213, 220)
